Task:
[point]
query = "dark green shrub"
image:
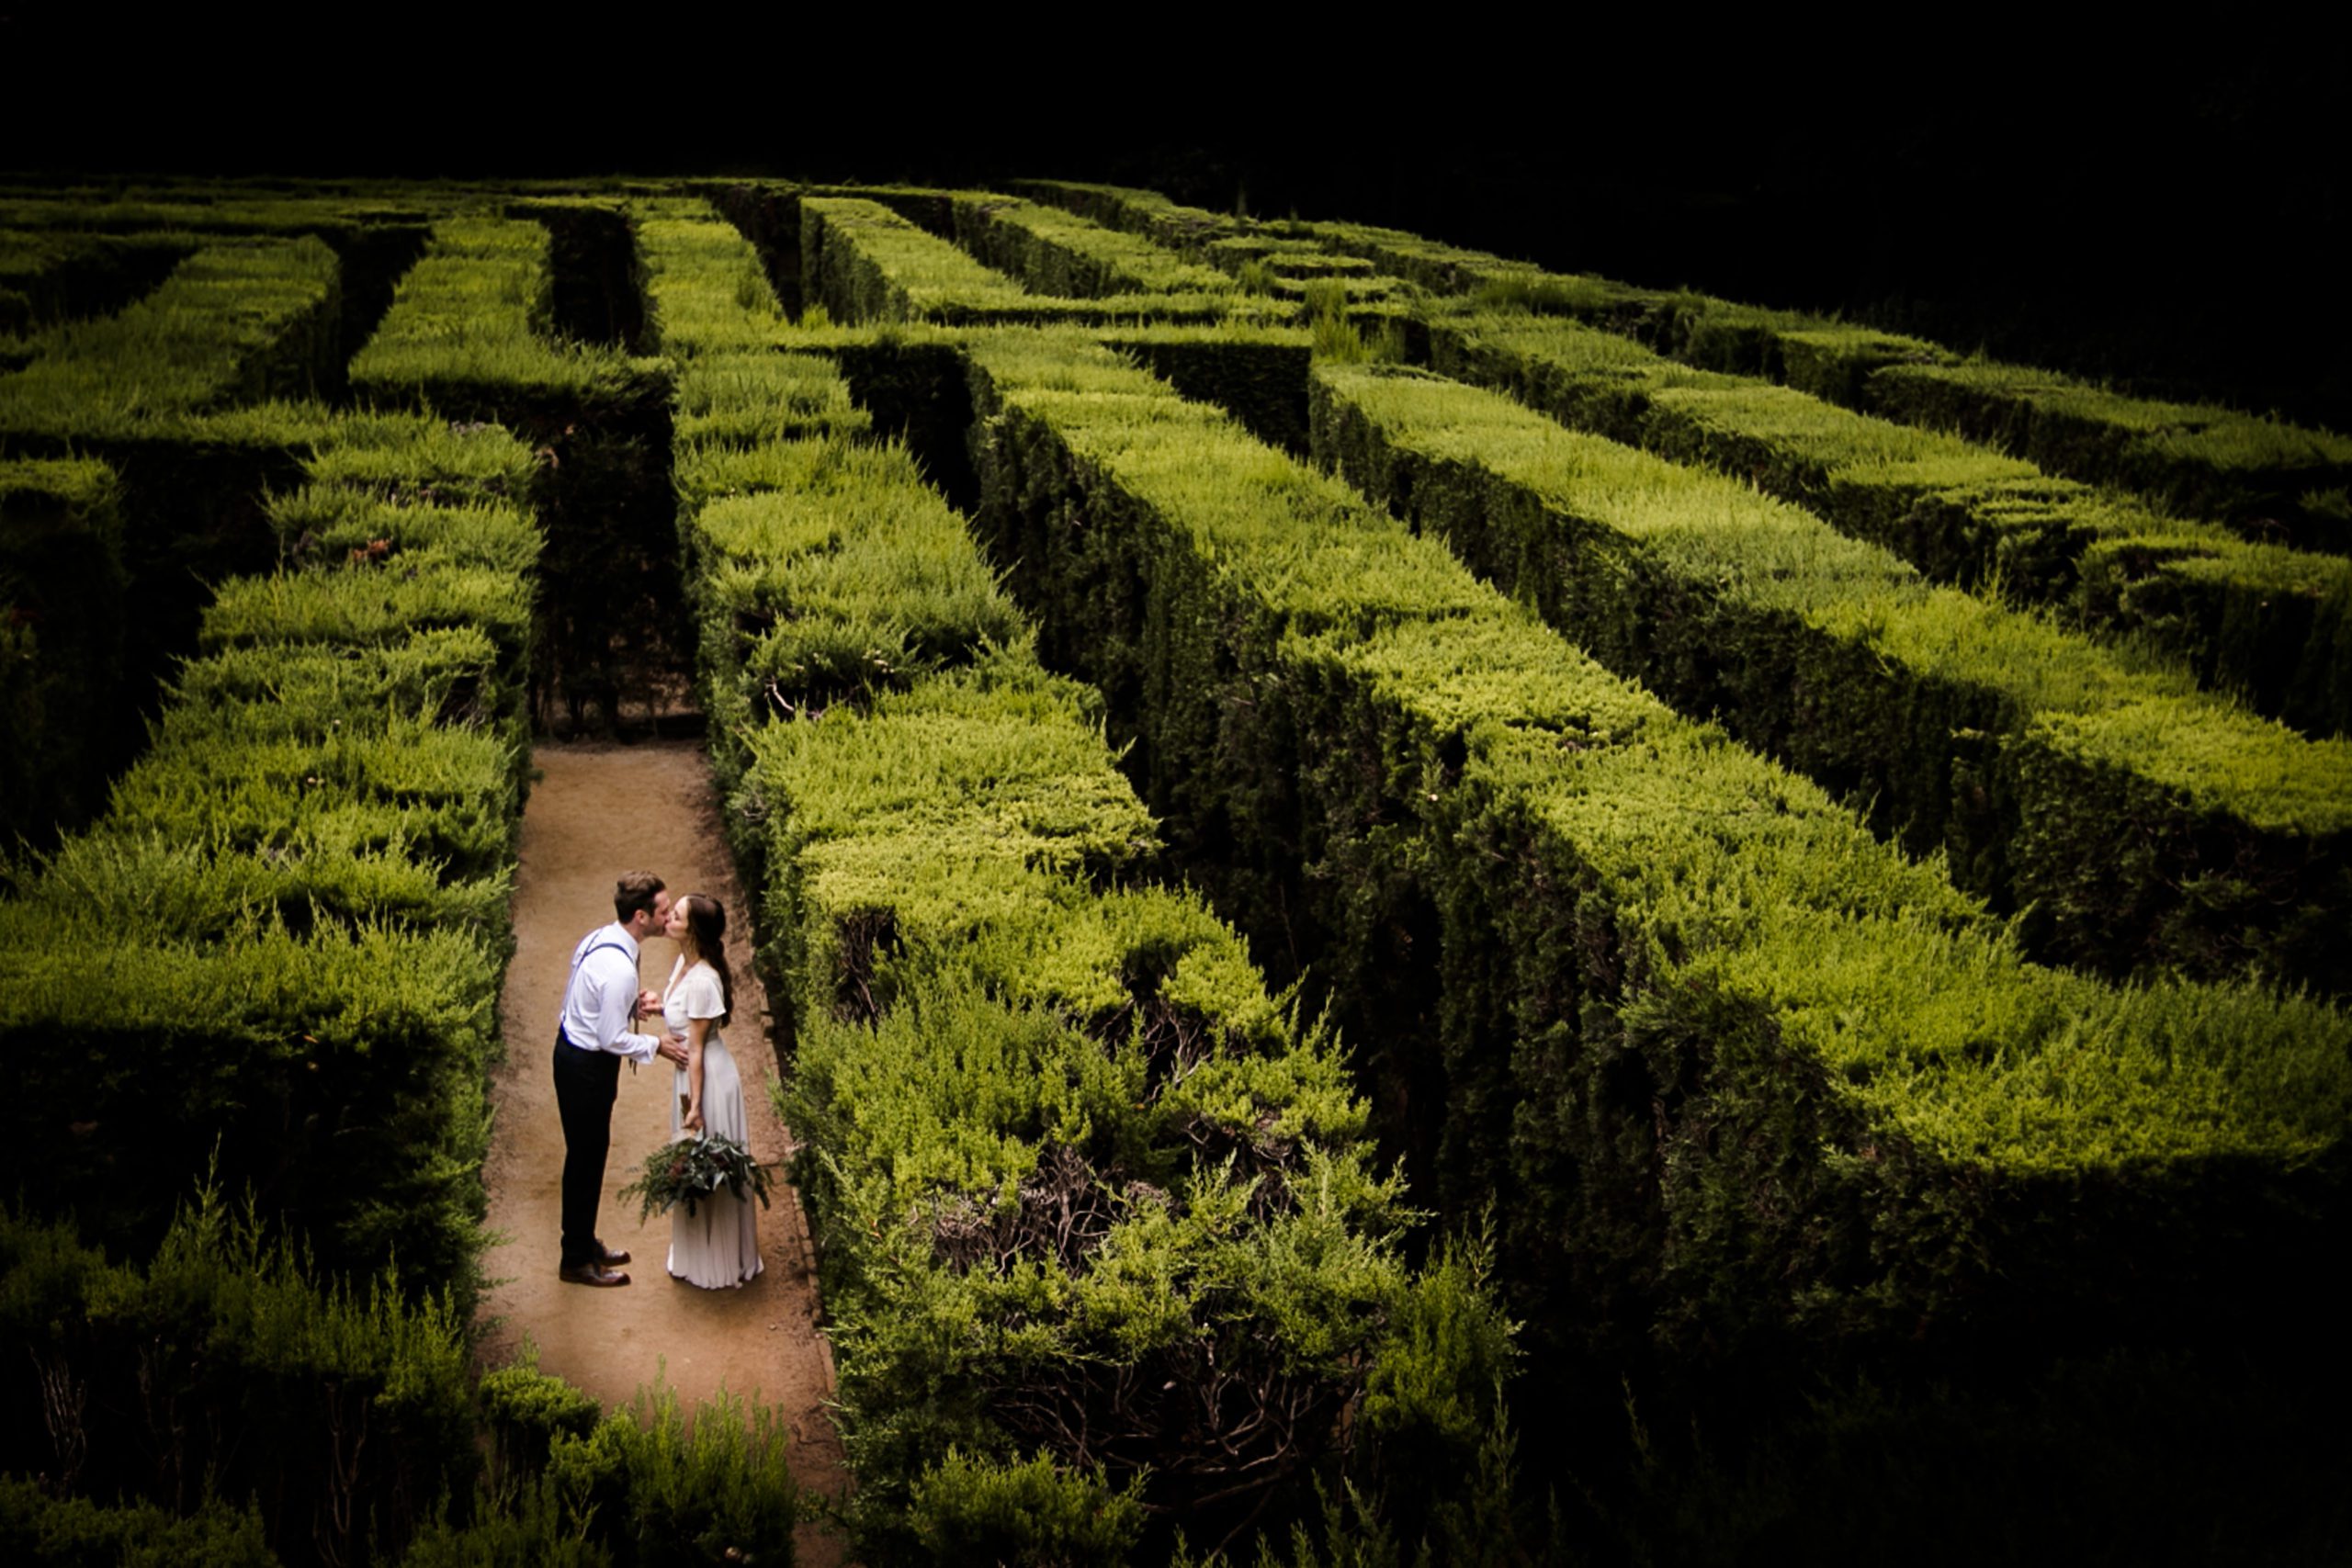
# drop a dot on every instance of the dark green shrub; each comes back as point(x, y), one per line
point(659, 1497)
point(74, 1532)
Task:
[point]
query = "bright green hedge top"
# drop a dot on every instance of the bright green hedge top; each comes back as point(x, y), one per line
point(184, 349)
point(233, 213)
point(1830, 445)
point(1182, 228)
point(708, 292)
point(2202, 432)
point(1746, 874)
point(715, 311)
point(1358, 567)
point(75, 485)
point(1835, 356)
point(858, 571)
point(926, 274)
point(1775, 558)
point(474, 312)
point(914, 276)
point(1127, 262)
point(410, 457)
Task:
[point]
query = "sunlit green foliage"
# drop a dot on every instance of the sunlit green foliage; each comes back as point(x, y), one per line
point(2264, 475)
point(1073, 1169)
point(865, 263)
point(2198, 458)
point(294, 907)
point(2251, 617)
point(467, 331)
point(235, 322)
point(1054, 251)
point(1187, 230)
point(1959, 720)
point(1749, 1076)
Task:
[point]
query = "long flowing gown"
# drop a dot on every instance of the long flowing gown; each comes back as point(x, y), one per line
point(718, 1244)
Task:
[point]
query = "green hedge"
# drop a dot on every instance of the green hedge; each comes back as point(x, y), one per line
point(2259, 619)
point(2140, 826)
point(1259, 373)
point(49, 278)
point(1096, 1222)
point(1054, 251)
point(469, 331)
point(470, 336)
point(1187, 230)
point(2274, 481)
point(2266, 477)
point(237, 1408)
point(222, 1366)
point(819, 571)
point(864, 262)
point(292, 914)
point(169, 392)
point(1754, 1082)
point(36, 1527)
point(234, 322)
point(63, 593)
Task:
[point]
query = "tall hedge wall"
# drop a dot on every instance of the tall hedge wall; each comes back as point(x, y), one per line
point(1751, 1080)
point(1100, 1237)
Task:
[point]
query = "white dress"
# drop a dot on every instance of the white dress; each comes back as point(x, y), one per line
point(718, 1244)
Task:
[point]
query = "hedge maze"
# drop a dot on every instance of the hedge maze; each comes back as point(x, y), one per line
point(1379, 868)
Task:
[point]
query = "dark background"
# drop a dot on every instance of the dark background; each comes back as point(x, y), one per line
point(2170, 214)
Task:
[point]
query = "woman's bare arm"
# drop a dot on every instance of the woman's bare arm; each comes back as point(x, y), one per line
point(696, 1029)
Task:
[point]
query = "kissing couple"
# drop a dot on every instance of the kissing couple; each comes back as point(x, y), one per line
point(718, 1244)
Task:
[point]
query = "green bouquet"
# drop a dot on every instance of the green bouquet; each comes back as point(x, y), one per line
point(692, 1169)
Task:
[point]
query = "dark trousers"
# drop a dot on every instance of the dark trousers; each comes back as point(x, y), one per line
point(586, 1083)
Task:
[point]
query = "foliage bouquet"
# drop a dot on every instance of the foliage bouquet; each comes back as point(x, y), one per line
point(690, 1169)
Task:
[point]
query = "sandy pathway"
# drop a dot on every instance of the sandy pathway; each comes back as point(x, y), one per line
point(598, 810)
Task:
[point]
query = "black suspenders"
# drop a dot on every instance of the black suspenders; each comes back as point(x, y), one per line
point(576, 965)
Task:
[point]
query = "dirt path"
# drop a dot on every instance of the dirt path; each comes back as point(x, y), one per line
point(598, 810)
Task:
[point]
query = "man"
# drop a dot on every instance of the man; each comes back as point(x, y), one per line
point(599, 1004)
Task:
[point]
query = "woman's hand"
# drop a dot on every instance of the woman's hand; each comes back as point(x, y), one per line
point(692, 1120)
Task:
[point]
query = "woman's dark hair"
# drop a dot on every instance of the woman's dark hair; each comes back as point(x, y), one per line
point(707, 923)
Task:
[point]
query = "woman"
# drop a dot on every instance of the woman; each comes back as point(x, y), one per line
point(718, 1244)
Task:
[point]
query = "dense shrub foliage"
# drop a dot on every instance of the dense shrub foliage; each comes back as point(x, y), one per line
point(1775, 810)
point(1100, 1236)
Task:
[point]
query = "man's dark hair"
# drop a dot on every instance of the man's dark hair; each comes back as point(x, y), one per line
point(634, 891)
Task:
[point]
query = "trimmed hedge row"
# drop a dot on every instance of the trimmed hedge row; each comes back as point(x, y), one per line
point(234, 322)
point(864, 262)
point(467, 337)
point(123, 242)
point(1056, 251)
point(1287, 259)
point(469, 330)
point(2271, 480)
point(63, 601)
point(2142, 827)
point(1754, 1081)
point(1187, 230)
point(1098, 1227)
point(2266, 477)
point(49, 278)
point(278, 950)
point(2258, 619)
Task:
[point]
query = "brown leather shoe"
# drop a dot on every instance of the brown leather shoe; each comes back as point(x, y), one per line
point(591, 1274)
point(614, 1256)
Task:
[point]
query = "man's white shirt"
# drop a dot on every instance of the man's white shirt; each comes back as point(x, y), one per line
point(602, 994)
